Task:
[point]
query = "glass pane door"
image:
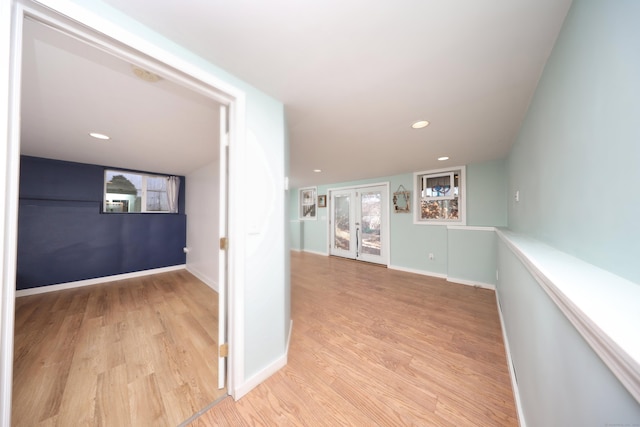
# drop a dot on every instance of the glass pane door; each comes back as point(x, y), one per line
point(342, 224)
point(370, 220)
point(358, 224)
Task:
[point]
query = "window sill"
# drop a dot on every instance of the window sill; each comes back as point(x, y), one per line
point(603, 307)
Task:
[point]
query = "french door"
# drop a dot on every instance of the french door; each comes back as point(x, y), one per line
point(359, 223)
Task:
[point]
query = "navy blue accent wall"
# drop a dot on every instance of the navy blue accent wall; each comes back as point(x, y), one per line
point(64, 237)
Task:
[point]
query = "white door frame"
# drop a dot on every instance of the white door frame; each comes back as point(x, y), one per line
point(98, 31)
point(385, 235)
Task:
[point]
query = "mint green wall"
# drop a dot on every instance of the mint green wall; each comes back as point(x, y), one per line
point(576, 160)
point(576, 165)
point(487, 193)
point(314, 237)
point(472, 255)
point(295, 225)
point(295, 235)
point(288, 236)
point(265, 276)
point(411, 244)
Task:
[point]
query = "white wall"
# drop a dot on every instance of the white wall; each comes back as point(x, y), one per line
point(202, 223)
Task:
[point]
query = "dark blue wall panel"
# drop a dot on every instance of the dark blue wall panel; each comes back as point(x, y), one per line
point(58, 180)
point(64, 237)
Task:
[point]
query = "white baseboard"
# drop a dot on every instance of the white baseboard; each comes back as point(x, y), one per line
point(512, 373)
point(472, 283)
point(444, 276)
point(316, 252)
point(289, 338)
point(203, 277)
point(97, 280)
point(416, 271)
point(265, 373)
point(295, 250)
point(260, 377)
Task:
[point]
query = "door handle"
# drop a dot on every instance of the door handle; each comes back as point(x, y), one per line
point(357, 241)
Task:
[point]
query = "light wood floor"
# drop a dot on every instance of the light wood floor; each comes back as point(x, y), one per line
point(138, 352)
point(372, 346)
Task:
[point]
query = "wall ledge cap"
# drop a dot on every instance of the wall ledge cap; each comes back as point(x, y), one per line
point(603, 307)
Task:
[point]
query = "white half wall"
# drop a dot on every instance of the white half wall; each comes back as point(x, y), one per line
point(202, 223)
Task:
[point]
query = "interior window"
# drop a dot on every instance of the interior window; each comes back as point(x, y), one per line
point(130, 192)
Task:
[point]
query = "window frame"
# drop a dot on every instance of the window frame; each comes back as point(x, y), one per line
point(143, 191)
point(462, 192)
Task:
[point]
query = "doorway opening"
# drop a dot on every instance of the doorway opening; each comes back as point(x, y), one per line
point(231, 103)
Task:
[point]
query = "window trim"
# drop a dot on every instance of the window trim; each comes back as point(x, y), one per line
point(451, 175)
point(462, 196)
point(143, 191)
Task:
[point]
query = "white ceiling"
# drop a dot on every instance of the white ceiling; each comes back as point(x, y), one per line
point(70, 89)
point(353, 76)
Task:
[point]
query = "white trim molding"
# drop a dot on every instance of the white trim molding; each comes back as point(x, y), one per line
point(260, 377)
point(91, 27)
point(465, 282)
point(470, 228)
point(606, 316)
point(97, 280)
point(512, 370)
point(462, 196)
point(315, 252)
point(416, 271)
point(473, 283)
point(289, 338)
point(203, 278)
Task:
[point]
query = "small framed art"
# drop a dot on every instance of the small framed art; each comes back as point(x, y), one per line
point(308, 203)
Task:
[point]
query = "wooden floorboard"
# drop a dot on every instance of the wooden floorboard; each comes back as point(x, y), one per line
point(137, 352)
point(372, 346)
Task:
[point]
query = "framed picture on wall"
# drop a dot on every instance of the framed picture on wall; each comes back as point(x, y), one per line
point(308, 202)
point(322, 201)
point(401, 200)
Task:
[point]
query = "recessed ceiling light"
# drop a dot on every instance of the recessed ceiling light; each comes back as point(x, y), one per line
point(317, 170)
point(99, 135)
point(420, 124)
point(443, 158)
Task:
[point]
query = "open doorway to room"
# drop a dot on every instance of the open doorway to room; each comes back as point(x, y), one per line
point(152, 341)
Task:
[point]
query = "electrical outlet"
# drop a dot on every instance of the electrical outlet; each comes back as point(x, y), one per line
point(430, 257)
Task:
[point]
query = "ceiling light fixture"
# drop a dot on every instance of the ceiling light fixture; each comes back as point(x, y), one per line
point(317, 170)
point(99, 135)
point(443, 158)
point(420, 124)
point(145, 75)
